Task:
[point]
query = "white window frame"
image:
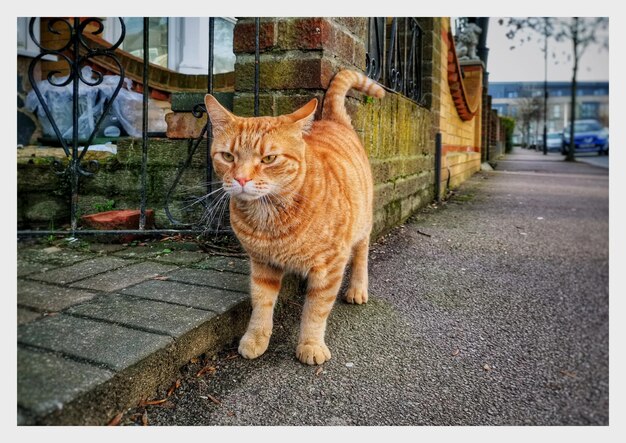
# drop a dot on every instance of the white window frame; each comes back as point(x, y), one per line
point(26, 47)
point(113, 30)
point(186, 59)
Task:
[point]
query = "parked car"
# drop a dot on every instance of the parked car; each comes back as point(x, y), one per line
point(555, 141)
point(589, 136)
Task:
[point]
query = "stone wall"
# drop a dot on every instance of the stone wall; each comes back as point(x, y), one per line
point(44, 197)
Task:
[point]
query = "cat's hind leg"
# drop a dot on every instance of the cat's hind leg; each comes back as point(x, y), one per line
point(357, 291)
point(265, 283)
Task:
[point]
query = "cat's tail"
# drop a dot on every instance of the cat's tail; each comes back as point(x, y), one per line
point(334, 101)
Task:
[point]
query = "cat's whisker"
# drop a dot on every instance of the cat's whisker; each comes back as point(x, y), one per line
point(202, 185)
point(211, 212)
point(197, 200)
point(221, 215)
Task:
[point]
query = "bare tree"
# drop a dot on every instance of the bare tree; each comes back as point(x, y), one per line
point(580, 31)
point(529, 111)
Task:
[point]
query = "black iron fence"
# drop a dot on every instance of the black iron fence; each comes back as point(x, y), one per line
point(394, 54)
point(76, 54)
point(393, 58)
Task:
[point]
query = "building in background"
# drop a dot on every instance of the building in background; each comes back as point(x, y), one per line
point(510, 99)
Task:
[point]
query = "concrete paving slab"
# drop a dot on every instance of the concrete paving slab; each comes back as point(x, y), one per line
point(200, 297)
point(25, 267)
point(26, 315)
point(81, 270)
point(114, 346)
point(181, 257)
point(162, 318)
point(215, 279)
point(222, 263)
point(45, 382)
point(49, 298)
point(52, 255)
point(106, 248)
point(127, 276)
point(140, 252)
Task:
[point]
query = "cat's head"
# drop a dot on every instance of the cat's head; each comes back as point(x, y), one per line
point(259, 156)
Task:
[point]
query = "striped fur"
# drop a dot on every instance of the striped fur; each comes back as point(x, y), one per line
point(301, 201)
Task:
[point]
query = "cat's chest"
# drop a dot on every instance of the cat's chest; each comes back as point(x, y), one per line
point(283, 252)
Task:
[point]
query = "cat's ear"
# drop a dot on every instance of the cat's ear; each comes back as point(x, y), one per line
point(303, 117)
point(220, 117)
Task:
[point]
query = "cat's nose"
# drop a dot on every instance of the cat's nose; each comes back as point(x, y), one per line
point(242, 181)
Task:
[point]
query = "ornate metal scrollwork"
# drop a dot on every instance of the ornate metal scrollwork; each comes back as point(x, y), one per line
point(375, 48)
point(76, 53)
point(70, 53)
point(394, 53)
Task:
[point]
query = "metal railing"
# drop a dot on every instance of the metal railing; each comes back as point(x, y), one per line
point(394, 54)
point(76, 53)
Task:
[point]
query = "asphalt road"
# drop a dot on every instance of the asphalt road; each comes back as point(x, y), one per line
point(491, 309)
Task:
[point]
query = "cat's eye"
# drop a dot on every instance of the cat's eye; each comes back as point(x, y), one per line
point(228, 156)
point(268, 159)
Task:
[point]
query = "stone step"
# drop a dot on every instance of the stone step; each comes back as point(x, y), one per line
point(99, 335)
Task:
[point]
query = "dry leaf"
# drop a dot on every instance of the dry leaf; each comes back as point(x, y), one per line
point(319, 370)
point(486, 367)
point(194, 360)
point(144, 418)
point(206, 369)
point(232, 356)
point(568, 373)
point(160, 277)
point(152, 402)
point(174, 386)
point(116, 420)
point(230, 413)
point(456, 352)
point(213, 399)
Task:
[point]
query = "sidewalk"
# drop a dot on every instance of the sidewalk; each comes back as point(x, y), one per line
point(490, 309)
point(102, 326)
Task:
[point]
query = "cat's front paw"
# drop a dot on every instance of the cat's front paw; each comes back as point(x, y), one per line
point(356, 296)
point(253, 345)
point(313, 353)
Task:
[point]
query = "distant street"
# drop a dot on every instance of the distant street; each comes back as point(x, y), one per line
point(489, 310)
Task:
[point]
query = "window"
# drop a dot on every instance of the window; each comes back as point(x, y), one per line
point(179, 43)
point(25, 45)
point(556, 111)
point(589, 110)
point(158, 48)
point(512, 94)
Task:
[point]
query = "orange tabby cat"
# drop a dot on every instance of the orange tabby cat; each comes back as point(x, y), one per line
point(301, 200)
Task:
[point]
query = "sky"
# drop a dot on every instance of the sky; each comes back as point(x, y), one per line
point(526, 61)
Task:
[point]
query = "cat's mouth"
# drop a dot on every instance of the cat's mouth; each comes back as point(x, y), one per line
point(245, 195)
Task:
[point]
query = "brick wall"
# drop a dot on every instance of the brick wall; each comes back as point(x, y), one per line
point(299, 57)
point(461, 139)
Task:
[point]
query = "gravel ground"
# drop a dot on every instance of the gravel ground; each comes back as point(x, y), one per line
point(491, 309)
